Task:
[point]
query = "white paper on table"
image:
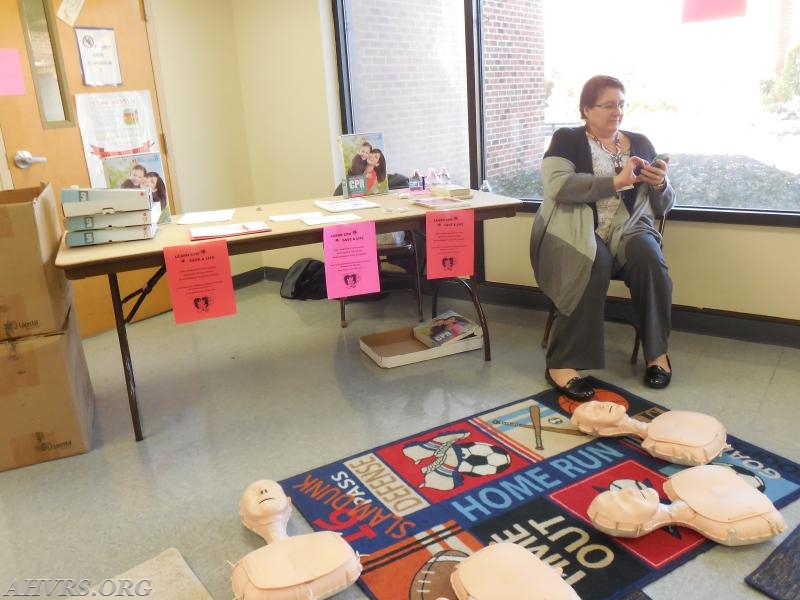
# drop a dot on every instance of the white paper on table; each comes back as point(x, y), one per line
point(296, 216)
point(331, 219)
point(206, 216)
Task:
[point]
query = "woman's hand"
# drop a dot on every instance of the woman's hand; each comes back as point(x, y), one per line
point(654, 173)
point(626, 178)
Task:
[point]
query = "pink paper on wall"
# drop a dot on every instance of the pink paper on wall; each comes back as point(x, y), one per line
point(11, 80)
point(351, 259)
point(450, 243)
point(200, 282)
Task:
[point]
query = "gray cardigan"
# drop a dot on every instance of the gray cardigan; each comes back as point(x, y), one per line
point(563, 242)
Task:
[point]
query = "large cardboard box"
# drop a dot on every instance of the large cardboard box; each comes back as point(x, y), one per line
point(46, 398)
point(399, 347)
point(34, 293)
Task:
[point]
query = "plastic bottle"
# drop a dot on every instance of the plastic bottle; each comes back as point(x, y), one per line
point(485, 187)
point(444, 176)
point(415, 181)
point(432, 178)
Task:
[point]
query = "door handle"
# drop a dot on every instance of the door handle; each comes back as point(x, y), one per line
point(23, 159)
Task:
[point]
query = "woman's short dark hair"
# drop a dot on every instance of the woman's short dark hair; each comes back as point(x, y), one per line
point(593, 87)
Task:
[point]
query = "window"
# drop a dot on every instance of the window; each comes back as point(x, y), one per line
point(407, 79)
point(719, 93)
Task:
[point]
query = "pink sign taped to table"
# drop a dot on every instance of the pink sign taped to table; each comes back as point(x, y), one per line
point(450, 243)
point(351, 259)
point(200, 282)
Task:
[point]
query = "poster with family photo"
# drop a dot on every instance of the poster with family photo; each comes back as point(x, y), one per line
point(137, 171)
point(364, 164)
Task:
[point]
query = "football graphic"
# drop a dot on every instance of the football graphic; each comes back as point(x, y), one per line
point(479, 459)
point(432, 581)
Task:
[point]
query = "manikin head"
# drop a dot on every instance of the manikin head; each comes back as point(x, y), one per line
point(599, 417)
point(627, 509)
point(265, 509)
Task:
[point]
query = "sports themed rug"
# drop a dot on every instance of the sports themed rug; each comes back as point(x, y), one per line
point(416, 507)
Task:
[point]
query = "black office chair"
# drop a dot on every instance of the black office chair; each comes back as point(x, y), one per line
point(399, 258)
point(660, 222)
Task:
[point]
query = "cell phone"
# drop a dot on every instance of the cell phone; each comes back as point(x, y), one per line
point(664, 157)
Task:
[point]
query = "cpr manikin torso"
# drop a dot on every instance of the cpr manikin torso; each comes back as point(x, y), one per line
point(711, 499)
point(677, 436)
point(310, 566)
point(507, 570)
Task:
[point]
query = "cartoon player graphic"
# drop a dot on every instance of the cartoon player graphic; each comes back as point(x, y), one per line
point(452, 460)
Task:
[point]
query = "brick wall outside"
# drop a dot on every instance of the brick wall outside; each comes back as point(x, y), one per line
point(514, 85)
point(408, 75)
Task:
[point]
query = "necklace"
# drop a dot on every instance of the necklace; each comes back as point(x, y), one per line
point(616, 157)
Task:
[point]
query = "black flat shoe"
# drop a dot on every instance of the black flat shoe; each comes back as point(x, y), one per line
point(577, 388)
point(658, 377)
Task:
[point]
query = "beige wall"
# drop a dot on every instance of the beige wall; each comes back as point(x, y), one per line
point(736, 268)
point(250, 98)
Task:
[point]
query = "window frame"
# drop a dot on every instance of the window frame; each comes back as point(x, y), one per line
point(476, 125)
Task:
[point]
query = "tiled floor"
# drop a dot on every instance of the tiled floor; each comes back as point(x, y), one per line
point(280, 388)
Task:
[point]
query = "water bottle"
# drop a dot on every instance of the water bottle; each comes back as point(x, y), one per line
point(485, 187)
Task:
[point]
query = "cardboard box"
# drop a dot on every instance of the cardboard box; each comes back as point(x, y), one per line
point(88, 201)
point(399, 347)
point(34, 294)
point(91, 237)
point(46, 398)
point(121, 219)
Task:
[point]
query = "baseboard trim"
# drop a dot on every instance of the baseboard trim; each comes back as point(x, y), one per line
point(728, 324)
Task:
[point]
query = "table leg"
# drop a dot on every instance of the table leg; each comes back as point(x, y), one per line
point(124, 350)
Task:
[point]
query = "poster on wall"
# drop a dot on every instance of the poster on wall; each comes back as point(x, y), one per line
point(99, 59)
point(115, 124)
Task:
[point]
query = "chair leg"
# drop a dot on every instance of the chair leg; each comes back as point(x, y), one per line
point(636, 342)
point(551, 316)
point(342, 317)
point(418, 284)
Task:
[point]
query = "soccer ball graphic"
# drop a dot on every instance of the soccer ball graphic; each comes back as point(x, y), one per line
point(479, 459)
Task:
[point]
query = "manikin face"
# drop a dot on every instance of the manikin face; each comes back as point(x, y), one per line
point(628, 504)
point(262, 501)
point(600, 413)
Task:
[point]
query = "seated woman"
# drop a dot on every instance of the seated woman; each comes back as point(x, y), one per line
point(602, 188)
point(677, 436)
point(312, 566)
point(711, 499)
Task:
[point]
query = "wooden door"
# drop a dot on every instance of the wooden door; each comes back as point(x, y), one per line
point(21, 128)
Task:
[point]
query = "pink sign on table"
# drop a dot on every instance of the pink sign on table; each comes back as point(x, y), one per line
point(11, 80)
point(450, 243)
point(200, 282)
point(351, 259)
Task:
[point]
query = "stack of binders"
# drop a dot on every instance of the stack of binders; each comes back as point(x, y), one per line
point(97, 216)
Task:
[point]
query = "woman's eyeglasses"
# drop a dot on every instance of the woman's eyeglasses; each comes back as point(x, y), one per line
point(610, 106)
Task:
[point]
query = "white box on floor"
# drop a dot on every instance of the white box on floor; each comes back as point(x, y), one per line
point(399, 347)
point(46, 398)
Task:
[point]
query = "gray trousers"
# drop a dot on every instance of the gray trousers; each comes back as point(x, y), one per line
point(576, 341)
